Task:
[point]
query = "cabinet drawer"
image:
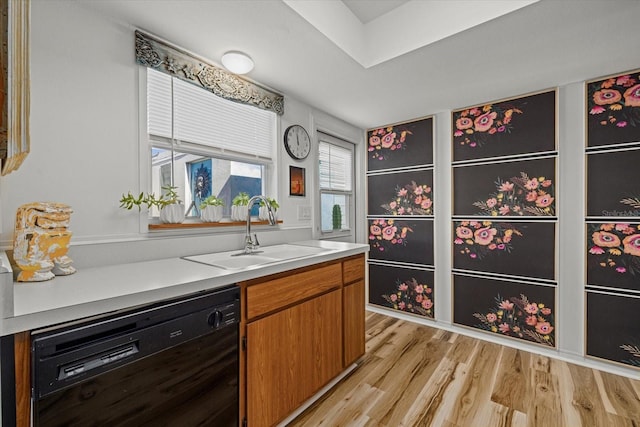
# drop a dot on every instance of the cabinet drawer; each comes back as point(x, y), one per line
point(353, 269)
point(281, 292)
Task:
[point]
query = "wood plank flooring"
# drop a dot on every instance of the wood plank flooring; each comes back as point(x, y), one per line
point(414, 375)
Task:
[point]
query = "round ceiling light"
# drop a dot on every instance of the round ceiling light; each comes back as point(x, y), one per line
point(237, 62)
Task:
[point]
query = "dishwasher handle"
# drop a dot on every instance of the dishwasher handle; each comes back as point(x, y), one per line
point(100, 360)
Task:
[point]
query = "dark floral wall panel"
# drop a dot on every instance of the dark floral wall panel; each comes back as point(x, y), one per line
point(512, 309)
point(403, 289)
point(399, 146)
point(613, 255)
point(517, 126)
point(401, 193)
point(613, 328)
point(512, 248)
point(613, 110)
point(407, 241)
point(613, 183)
point(504, 208)
point(400, 206)
point(514, 188)
point(612, 219)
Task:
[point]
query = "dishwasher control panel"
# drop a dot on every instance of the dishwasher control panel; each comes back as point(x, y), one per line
point(64, 355)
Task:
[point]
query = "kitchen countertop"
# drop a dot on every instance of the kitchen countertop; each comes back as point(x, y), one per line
point(99, 290)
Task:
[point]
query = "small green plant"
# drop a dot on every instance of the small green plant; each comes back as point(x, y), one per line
point(169, 197)
point(242, 199)
point(337, 217)
point(211, 201)
point(129, 201)
point(272, 202)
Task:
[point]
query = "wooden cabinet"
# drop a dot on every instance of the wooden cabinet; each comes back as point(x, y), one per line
point(302, 328)
point(353, 318)
point(290, 355)
point(353, 302)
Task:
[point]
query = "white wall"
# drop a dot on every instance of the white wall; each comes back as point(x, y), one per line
point(85, 150)
point(84, 134)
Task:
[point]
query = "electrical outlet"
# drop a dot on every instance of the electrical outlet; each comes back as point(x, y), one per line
point(304, 212)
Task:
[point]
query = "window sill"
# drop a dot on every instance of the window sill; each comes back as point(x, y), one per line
point(187, 225)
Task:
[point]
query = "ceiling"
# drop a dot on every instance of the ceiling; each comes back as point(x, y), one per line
point(394, 31)
point(545, 44)
point(368, 10)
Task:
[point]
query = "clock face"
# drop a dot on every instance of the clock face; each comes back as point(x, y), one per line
point(297, 142)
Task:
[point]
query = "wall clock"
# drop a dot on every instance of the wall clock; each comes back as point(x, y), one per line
point(297, 142)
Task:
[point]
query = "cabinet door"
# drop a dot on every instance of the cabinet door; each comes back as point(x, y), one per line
point(353, 311)
point(290, 356)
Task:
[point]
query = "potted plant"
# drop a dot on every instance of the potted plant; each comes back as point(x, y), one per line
point(211, 209)
point(263, 214)
point(129, 201)
point(239, 206)
point(170, 205)
point(171, 208)
point(337, 217)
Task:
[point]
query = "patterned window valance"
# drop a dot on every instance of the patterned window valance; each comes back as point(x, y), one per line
point(161, 56)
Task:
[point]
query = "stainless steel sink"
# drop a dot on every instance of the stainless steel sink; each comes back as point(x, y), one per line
point(228, 261)
point(289, 251)
point(236, 260)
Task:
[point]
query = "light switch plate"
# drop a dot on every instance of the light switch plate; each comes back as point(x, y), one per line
point(304, 212)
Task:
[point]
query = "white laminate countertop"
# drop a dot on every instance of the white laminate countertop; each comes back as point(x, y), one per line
point(99, 290)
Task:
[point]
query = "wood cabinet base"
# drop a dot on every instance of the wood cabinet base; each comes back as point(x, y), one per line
point(303, 328)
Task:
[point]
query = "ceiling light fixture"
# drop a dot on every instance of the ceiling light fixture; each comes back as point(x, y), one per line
point(237, 62)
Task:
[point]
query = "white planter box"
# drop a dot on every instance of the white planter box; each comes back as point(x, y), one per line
point(172, 214)
point(211, 213)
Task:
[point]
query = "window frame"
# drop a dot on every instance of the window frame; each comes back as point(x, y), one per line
point(323, 137)
point(147, 142)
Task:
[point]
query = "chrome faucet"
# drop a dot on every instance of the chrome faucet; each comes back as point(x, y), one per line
point(251, 243)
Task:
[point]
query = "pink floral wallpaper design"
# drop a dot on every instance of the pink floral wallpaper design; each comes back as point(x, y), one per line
point(402, 145)
point(523, 187)
point(616, 246)
point(524, 249)
point(616, 101)
point(409, 290)
point(520, 318)
point(412, 296)
point(613, 110)
point(474, 125)
point(385, 233)
point(383, 141)
point(515, 126)
point(478, 239)
point(520, 195)
point(411, 199)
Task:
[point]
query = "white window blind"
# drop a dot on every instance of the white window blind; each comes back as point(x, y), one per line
point(200, 117)
point(335, 167)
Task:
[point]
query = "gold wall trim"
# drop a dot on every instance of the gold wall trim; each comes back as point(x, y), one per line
point(156, 54)
point(15, 91)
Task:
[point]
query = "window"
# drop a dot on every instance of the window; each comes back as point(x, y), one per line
point(336, 184)
point(205, 145)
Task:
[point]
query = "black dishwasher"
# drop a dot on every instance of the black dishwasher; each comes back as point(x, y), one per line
point(173, 363)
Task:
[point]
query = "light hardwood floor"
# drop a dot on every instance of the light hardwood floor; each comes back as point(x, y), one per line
point(414, 375)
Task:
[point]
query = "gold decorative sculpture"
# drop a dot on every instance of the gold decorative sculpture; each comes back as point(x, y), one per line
point(41, 241)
